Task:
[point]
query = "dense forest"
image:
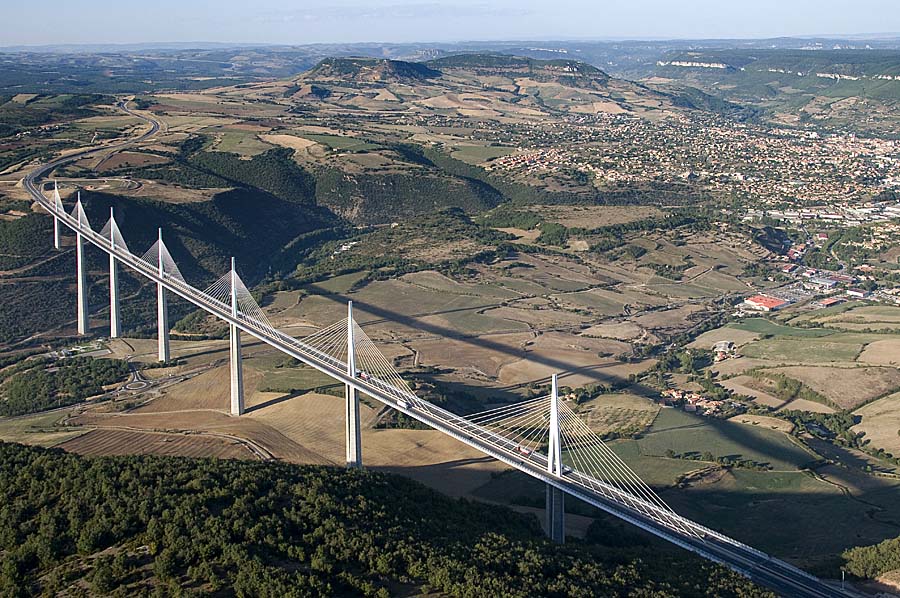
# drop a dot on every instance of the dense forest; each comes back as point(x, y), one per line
point(387, 197)
point(875, 560)
point(22, 240)
point(37, 385)
point(175, 526)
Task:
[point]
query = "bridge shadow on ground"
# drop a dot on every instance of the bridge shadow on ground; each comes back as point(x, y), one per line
point(457, 478)
point(276, 401)
point(810, 532)
point(384, 315)
point(737, 433)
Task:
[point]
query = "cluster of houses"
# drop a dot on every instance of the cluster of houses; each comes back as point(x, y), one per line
point(848, 214)
point(694, 402)
point(548, 159)
point(39, 131)
point(343, 248)
point(723, 350)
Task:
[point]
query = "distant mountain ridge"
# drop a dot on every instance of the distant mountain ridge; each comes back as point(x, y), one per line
point(371, 70)
point(566, 71)
point(375, 70)
point(848, 63)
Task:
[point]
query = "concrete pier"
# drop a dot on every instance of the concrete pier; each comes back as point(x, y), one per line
point(57, 202)
point(237, 371)
point(556, 522)
point(81, 268)
point(237, 366)
point(352, 436)
point(115, 325)
point(162, 311)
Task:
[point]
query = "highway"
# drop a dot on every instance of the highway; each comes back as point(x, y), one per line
point(761, 568)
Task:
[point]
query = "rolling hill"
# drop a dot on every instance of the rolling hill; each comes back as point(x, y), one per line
point(370, 70)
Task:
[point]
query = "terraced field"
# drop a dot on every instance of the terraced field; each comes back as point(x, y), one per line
point(128, 442)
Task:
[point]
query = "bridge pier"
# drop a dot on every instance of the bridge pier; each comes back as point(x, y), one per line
point(237, 372)
point(162, 311)
point(555, 503)
point(237, 366)
point(82, 284)
point(353, 442)
point(556, 514)
point(115, 326)
point(58, 204)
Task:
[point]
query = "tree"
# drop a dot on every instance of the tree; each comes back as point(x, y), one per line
point(103, 581)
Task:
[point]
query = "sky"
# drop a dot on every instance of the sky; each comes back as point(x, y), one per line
point(316, 21)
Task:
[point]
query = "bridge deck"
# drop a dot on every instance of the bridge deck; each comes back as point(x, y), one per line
point(759, 567)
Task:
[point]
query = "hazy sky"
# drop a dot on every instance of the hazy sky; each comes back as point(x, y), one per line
point(310, 21)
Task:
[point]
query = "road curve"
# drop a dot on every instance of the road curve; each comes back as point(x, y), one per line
point(31, 178)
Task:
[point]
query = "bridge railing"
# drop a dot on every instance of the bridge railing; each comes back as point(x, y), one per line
point(582, 479)
point(374, 385)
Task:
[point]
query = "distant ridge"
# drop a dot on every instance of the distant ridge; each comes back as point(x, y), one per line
point(563, 70)
point(372, 70)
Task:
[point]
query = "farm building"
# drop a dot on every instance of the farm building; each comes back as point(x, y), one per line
point(722, 350)
point(828, 302)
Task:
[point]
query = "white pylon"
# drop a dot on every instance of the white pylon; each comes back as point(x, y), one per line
point(555, 505)
point(237, 370)
point(81, 271)
point(352, 432)
point(57, 204)
point(162, 311)
point(554, 459)
point(115, 326)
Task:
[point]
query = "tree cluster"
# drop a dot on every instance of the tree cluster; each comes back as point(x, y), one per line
point(200, 526)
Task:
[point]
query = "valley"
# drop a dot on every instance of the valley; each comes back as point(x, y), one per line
point(495, 219)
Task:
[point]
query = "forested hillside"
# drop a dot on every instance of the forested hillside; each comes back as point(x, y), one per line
point(267, 232)
point(135, 525)
point(249, 223)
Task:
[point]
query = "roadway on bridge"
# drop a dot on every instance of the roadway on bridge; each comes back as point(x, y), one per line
point(761, 568)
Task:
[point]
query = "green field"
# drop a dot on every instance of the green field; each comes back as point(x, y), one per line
point(802, 351)
point(593, 301)
point(686, 433)
point(245, 143)
point(339, 284)
point(790, 514)
point(39, 429)
point(340, 142)
point(763, 326)
point(476, 154)
point(811, 316)
point(657, 472)
point(667, 288)
point(294, 379)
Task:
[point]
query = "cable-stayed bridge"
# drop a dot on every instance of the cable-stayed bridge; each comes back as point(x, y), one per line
point(541, 437)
